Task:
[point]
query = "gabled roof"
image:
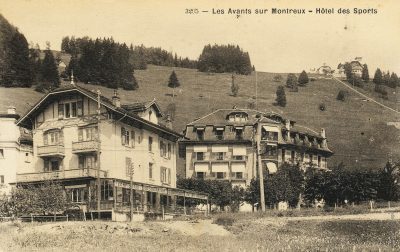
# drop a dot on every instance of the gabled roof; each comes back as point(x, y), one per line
point(143, 106)
point(69, 88)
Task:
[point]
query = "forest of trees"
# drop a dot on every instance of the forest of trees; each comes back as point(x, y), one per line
point(100, 61)
point(21, 65)
point(15, 67)
point(224, 59)
point(139, 56)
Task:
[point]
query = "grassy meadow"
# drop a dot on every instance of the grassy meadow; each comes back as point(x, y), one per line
point(243, 234)
point(357, 129)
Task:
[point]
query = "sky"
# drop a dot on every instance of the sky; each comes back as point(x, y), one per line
point(276, 43)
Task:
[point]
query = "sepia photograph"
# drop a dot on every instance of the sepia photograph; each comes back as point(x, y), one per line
point(262, 125)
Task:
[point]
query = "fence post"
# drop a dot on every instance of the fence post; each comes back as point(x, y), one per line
point(370, 204)
point(163, 213)
point(31, 218)
point(389, 204)
point(67, 217)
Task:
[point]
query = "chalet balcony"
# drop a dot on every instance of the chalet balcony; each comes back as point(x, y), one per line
point(85, 146)
point(56, 150)
point(62, 174)
point(269, 156)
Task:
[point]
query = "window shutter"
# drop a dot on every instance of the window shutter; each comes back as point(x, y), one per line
point(46, 165)
point(80, 108)
point(169, 176)
point(127, 137)
point(169, 151)
point(81, 162)
point(133, 138)
point(80, 134)
point(123, 136)
point(61, 137)
point(60, 110)
point(45, 141)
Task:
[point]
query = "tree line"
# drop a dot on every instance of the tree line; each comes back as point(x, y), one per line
point(292, 185)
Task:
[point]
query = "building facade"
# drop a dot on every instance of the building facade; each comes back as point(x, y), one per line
point(83, 139)
point(228, 143)
point(15, 150)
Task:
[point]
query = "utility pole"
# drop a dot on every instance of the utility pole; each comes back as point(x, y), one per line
point(98, 155)
point(256, 91)
point(260, 168)
point(131, 172)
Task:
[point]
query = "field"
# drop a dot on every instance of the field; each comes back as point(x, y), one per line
point(226, 232)
point(357, 129)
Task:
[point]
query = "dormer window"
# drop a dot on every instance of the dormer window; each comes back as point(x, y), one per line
point(219, 133)
point(200, 134)
point(237, 117)
point(239, 133)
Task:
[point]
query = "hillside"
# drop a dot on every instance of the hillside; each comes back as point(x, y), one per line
point(357, 129)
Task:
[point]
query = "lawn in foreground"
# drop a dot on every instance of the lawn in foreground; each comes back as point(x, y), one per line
point(248, 234)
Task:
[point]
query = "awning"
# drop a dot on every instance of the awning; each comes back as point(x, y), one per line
point(199, 167)
point(238, 167)
point(271, 128)
point(75, 186)
point(200, 148)
point(271, 167)
point(219, 148)
point(200, 128)
point(239, 151)
point(239, 127)
point(220, 167)
point(219, 128)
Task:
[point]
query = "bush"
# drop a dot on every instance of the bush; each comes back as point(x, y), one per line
point(322, 107)
point(341, 96)
point(224, 221)
point(41, 88)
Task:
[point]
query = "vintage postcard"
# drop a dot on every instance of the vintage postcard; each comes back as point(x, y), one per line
point(199, 125)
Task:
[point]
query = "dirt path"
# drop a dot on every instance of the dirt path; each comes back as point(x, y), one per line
point(365, 96)
point(196, 228)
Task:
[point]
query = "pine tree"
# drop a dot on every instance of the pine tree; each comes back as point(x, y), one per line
point(291, 82)
point(365, 73)
point(393, 81)
point(386, 79)
point(173, 80)
point(378, 78)
point(281, 96)
point(49, 72)
point(303, 78)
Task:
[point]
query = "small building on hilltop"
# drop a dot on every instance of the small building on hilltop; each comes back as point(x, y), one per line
point(15, 150)
point(223, 145)
point(325, 70)
point(356, 68)
point(98, 148)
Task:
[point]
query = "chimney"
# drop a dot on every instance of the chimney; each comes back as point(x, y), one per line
point(11, 110)
point(72, 78)
point(287, 126)
point(323, 135)
point(116, 100)
point(168, 122)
